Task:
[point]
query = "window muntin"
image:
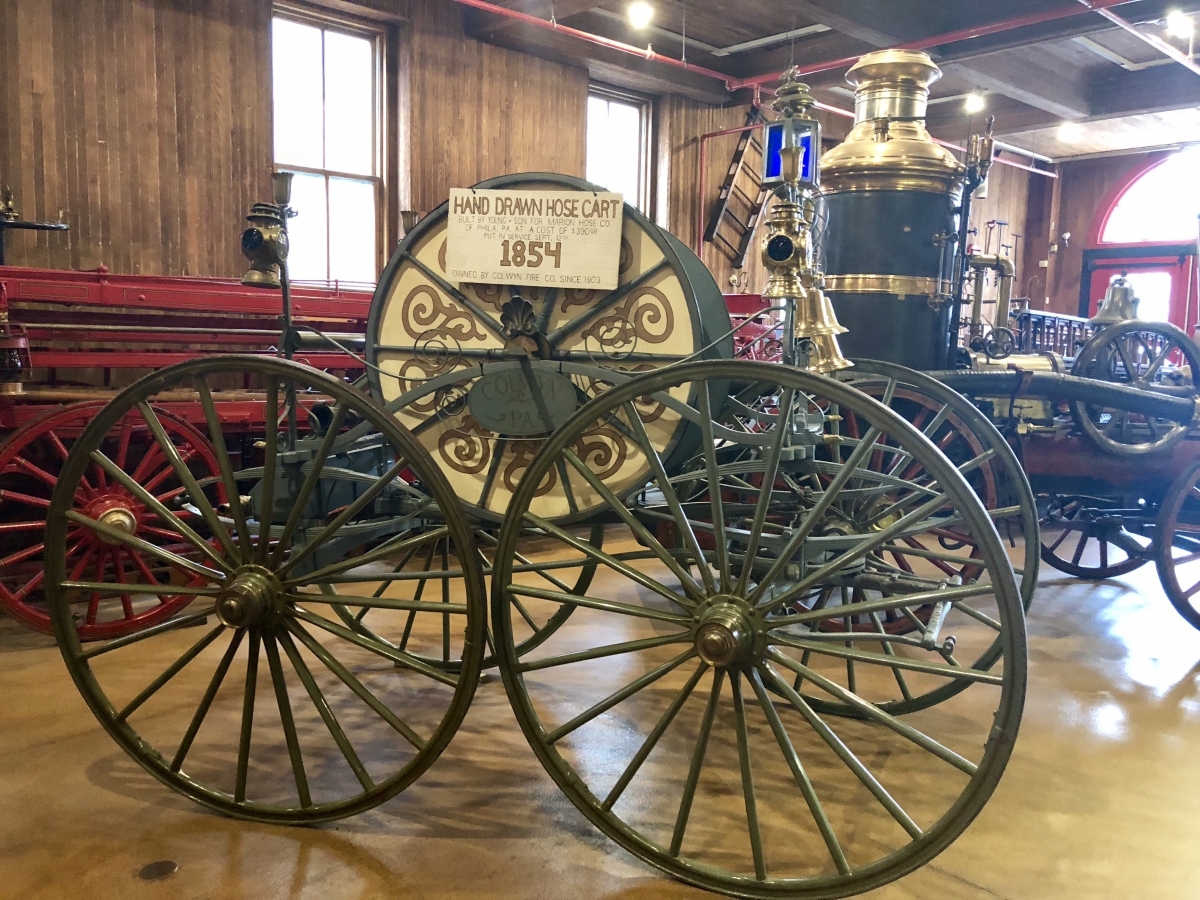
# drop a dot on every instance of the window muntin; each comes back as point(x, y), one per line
point(1161, 206)
point(327, 131)
point(618, 145)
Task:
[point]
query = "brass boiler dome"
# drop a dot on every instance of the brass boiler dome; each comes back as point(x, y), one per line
point(892, 196)
point(889, 148)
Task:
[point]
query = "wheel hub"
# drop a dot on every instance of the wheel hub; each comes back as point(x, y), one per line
point(117, 513)
point(727, 633)
point(252, 597)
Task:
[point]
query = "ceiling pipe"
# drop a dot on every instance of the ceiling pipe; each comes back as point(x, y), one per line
point(643, 52)
point(950, 37)
point(1157, 43)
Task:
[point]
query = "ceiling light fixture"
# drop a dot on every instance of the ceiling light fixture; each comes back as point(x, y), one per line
point(974, 103)
point(1070, 133)
point(640, 14)
point(1180, 25)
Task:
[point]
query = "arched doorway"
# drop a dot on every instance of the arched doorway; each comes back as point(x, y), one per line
point(1147, 227)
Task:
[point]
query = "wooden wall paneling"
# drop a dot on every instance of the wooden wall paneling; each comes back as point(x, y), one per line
point(148, 123)
point(477, 111)
point(1085, 184)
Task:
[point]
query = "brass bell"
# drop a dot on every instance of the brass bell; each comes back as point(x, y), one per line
point(1119, 304)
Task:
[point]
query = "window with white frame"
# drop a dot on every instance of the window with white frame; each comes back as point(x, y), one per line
point(618, 145)
point(326, 84)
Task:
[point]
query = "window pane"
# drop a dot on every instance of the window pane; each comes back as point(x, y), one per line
point(296, 83)
point(615, 149)
point(308, 256)
point(1153, 289)
point(350, 111)
point(352, 230)
point(1161, 206)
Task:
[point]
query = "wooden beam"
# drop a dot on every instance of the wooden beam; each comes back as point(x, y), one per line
point(1019, 74)
point(483, 25)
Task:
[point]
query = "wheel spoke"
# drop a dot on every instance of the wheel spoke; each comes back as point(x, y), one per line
point(243, 760)
point(603, 652)
point(206, 701)
point(327, 716)
point(233, 495)
point(844, 753)
point(331, 663)
point(815, 515)
point(827, 571)
point(286, 720)
point(441, 609)
point(802, 780)
point(689, 583)
point(189, 480)
point(617, 696)
point(266, 513)
point(360, 503)
point(300, 502)
point(743, 741)
point(555, 337)
point(680, 519)
point(609, 560)
point(146, 633)
point(871, 711)
point(388, 548)
point(714, 493)
point(145, 546)
point(177, 524)
point(613, 606)
point(693, 779)
point(782, 429)
point(892, 662)
point(385, 650)
point(170, 672)
point(653, 737)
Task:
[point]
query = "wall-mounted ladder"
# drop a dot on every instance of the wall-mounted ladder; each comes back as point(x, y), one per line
point(739, 205)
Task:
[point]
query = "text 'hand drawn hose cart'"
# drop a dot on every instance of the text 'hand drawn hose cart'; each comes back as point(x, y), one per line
point(737, 606)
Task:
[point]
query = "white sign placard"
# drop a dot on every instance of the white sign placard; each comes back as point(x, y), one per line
point(557, 239)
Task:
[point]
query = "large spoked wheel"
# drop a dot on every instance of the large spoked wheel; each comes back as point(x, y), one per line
point(260, 702)
point(969, 439)
point(1150, 356)
point(671, 708)
point(436, 345)
point(1177, 544)
point(31, 462)
point(1093, 537)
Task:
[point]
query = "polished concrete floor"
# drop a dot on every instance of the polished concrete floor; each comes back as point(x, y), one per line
point(1101, 798)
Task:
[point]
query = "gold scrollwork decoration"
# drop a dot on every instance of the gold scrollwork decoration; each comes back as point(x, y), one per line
point(424, 312)
point(522, 453)
point(466, 447)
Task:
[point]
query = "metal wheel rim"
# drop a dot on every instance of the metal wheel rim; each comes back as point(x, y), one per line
point(935, 839)
point(129, 739)
point(1109, 337)
point(1136, 555)
point(1168, 534)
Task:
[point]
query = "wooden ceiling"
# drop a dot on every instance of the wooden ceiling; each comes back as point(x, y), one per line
point(1080, 68)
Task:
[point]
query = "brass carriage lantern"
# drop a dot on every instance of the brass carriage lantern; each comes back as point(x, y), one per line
point(792, 150)
point(265, 244)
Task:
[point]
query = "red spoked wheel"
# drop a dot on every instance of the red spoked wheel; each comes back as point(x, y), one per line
point(30, 462)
